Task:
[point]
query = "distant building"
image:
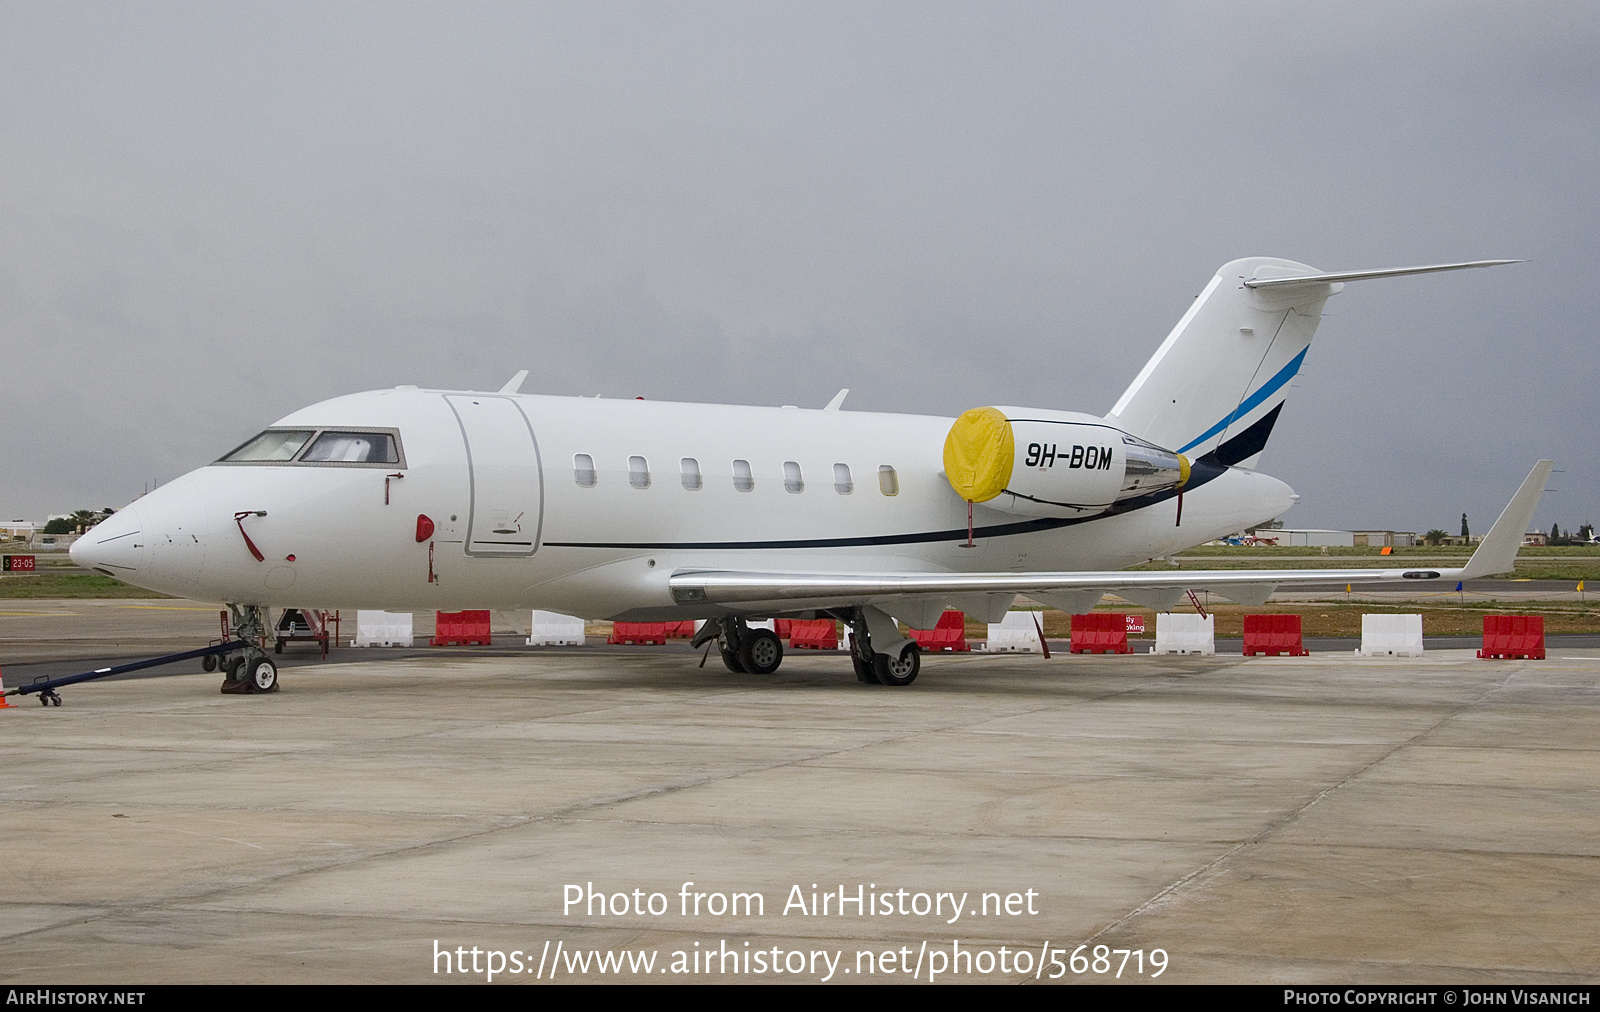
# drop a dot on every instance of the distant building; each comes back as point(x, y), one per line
point(19, 530)
point(28, 535)
point(1308, 537)
point(1313, 538)
point(1384, 539)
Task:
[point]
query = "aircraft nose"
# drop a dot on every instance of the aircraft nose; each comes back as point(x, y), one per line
point(114, 546)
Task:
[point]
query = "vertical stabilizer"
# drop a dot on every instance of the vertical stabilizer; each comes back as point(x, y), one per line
point(1218, 382)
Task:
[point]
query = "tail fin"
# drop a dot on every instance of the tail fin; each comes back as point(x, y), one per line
point(1219, 380)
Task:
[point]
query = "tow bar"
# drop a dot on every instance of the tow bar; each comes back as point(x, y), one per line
point(46, 687)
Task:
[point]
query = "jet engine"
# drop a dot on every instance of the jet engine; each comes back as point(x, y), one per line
point(1053, 464)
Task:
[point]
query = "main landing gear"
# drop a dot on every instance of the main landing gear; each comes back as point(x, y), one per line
point(879, 654)
point(745, 651)
point(250, 670)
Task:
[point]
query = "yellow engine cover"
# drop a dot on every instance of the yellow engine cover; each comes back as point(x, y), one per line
point(979, 453)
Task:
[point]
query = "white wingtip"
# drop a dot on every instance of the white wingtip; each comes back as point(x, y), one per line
point(1497, 553)
point(514, 384)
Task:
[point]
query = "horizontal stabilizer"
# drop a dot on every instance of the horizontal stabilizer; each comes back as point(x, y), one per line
point(1393, 272)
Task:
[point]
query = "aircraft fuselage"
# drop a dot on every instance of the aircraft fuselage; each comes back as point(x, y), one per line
point(586, 506)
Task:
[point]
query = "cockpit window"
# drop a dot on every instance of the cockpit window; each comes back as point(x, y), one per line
point(322, 448)
point(353, 448)
point(274, 445)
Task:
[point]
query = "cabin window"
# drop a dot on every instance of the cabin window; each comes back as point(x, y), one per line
point(583, 470)
point(638, 472)
point(353, 448)
point(841, 479)
point(792, 481)
point(691, 474)
point(743, 480)
point(888, 481)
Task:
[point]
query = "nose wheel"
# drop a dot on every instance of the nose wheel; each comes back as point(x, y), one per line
point(263, 675)
point(253, 671)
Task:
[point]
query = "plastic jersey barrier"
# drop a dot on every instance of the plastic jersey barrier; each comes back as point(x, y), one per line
point(949, 634)
point(1100, 633)
point(1513, 637)
point(640, 633)
point(1273, 635)
point(461, 628)
point(822, 634)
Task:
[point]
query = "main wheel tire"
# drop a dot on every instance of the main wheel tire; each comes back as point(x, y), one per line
point(864, 667)
point(761, 652)
point(900, 670)
point(263, 675)
point(730, 660)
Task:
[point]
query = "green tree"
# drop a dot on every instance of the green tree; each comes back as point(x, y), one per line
point(60, 525)
point(1435, 536)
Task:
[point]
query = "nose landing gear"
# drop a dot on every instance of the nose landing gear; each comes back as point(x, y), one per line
point(251, 670)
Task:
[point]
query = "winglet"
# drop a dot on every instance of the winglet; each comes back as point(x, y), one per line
point(514, 384)
point(1497, 553)
point(838, 399)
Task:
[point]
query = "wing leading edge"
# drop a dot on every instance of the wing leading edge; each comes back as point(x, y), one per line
point(794, 591)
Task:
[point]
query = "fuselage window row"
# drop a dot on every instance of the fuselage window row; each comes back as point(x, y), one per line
point(586, 476)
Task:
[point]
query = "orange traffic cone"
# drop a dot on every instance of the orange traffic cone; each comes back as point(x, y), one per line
point(5, 704)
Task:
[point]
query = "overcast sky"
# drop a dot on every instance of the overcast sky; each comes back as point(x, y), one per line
point(214, 214)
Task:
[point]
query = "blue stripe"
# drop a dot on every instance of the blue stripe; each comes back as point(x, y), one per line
point(1253, 401)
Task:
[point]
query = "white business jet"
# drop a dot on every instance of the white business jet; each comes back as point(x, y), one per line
point(647, 511)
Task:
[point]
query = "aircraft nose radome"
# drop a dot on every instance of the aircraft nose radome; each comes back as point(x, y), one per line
point(115, 545)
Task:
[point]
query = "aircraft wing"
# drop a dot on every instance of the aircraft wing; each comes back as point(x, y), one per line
point(794, 591)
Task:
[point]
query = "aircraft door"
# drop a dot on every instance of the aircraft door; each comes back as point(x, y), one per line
point(507, 480)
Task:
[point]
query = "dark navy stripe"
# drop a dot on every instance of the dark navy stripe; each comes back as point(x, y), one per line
point(1249, 442)
point(1202, 471)
point(1250, 403)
